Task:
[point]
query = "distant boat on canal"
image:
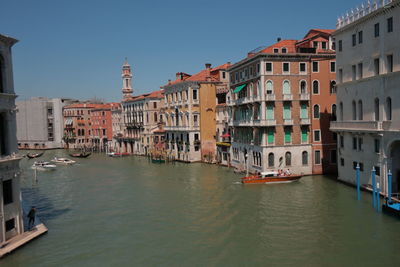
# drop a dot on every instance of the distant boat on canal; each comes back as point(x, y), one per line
point(80, 154)
point(116, 154)
point(270, 178)
point(157, 160)
point(43, 166)
point(64, 161)
point(34, 155)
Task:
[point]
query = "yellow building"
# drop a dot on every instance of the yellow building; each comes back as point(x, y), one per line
point(190, 123)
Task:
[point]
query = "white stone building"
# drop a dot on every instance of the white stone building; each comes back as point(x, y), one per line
point(368, 83)
point(11, 220)
point(40, 122)
point(117, 126)
point(142, 117)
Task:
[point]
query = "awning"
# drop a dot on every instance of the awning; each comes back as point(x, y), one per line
point(226, 135)
point(239, 88)
point(68, 122)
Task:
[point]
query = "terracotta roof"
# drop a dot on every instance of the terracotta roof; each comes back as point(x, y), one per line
point(201, 76)
point(315, 32)
point(154, 94)
point(289, 44)
point(82, 105)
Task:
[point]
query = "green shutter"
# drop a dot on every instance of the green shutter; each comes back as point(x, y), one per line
point(270, 136)
point(270, 112)
point(288, 135)
point(303, 111)
point(286, 111)
point(304, 135)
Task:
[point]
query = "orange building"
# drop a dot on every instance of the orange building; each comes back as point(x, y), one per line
point(88, 125)
point(190, 110)
point(283, 96)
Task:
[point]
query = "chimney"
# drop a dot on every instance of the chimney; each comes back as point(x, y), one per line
point(178, 76)
point(278, 39)
point(208, 72)
point(169, 81)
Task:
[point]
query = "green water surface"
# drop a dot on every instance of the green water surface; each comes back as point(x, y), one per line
point(129, 212)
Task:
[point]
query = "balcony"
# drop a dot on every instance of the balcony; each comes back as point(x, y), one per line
point(241, 123)
point(243, 100)
point(252, 123)
point(304, 96)
point(288, 97)
point(357, 126)
point(305, 121)
point(134, 124)
point(287, 122)
point(270, 97)
point(269, 123)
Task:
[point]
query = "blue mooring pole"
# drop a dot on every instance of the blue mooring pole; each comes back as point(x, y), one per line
point(373, 187)
point(389, 187)
point(378, 197)
point(358, 180)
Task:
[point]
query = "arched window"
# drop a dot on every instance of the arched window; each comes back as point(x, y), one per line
point(376, 109)
point(288, 159)
point(360, 110)
point(269, 88)
point(259, 87)
point(303, 87)
point(316, 112)
point(155, 117)
point(388, 109)
point(286, 88)
point(333, 87)
point(83, 132)
point(271, 160)
point(334, 112)
point(304, 158)
point(341, 110)
point(315, 87)
point(354, 110)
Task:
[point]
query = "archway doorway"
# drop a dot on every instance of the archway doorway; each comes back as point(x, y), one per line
point(395, 166)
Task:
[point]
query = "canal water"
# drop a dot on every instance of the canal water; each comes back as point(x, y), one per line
point(129, 212)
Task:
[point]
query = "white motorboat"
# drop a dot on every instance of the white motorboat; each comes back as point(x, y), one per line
point(43, 166)
point(65, 161)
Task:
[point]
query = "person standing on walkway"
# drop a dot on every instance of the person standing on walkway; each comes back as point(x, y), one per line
point(31, 216)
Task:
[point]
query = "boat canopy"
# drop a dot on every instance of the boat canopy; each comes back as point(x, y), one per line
point(270, 173)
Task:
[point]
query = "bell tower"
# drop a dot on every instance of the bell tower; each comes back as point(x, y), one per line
point(126, 80)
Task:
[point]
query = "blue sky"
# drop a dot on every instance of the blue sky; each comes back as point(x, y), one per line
point(76, 48)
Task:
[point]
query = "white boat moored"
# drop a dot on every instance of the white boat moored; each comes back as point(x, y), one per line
point(43, 165)
point(63, 161)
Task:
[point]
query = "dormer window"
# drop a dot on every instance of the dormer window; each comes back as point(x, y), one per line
point(284, 50)
point(323, 45)
point(276, 50)
point(315, 44)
